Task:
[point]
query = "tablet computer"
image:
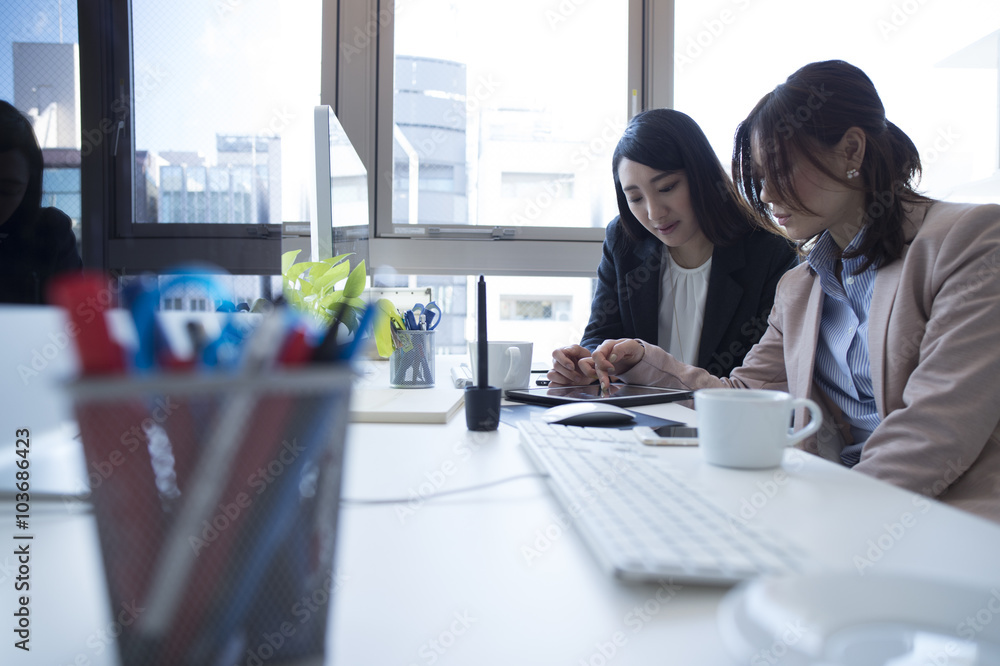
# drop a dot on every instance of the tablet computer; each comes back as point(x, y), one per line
point(622, 395)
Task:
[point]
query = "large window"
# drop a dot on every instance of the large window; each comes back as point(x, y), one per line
point(197, 127)
point(489, 96)
point(223, 93)
point(486, 128)
point(495, 127)
point(475, 121)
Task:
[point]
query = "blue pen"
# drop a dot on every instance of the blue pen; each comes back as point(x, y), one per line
point(143, 297)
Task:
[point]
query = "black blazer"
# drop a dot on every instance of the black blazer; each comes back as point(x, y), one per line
point(32, 252)
point(740, 294)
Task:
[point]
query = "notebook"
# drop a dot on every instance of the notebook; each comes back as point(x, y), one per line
point(418, 405)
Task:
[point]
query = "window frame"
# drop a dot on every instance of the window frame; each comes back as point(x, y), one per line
point(359, 88)
point(468, 249)
point(112, 239)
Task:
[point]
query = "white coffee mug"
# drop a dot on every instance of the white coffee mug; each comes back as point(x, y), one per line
point(749, 428)
point(509, 364)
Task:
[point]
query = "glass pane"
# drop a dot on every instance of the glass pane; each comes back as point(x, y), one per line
point(935, 65)
point(61, 189)
point(223, 97)
point(40, 76)
point(348, 188)
point(508, 112)
point(551, 313)
point(243, 293)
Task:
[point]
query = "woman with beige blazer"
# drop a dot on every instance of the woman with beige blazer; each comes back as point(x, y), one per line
point(891, 322)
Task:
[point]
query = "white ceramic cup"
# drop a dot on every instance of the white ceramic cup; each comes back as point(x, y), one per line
point(749, 428)
point(509, 364)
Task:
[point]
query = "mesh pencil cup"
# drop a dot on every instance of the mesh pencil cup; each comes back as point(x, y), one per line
point(217, 556)
point(412, 362)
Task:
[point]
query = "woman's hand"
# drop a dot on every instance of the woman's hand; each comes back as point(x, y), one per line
point(572, 366)
point(614, 357)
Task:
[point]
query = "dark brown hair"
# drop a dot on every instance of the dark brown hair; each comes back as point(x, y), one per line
point(808, 114)
point(16, 134)
point(668, 140)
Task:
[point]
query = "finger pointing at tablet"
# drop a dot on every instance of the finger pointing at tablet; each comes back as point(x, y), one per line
point(614, 357)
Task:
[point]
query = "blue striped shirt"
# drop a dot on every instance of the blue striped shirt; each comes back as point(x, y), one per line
point(843, 370)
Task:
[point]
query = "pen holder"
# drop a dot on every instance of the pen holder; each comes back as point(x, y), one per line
point(216, 502)
point(411, 364)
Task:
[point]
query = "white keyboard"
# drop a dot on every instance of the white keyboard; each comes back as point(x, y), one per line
point(641, 518)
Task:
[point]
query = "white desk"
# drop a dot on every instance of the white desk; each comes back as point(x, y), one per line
point(447, 581)
point(406, 577)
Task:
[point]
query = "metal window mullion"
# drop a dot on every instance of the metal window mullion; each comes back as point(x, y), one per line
point(658, 53)
point(123, 109)
point(98, 34)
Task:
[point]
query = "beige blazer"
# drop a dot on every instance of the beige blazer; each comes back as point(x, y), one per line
point(934, 346)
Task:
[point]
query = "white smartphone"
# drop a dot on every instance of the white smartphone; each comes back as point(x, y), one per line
point(668, 435)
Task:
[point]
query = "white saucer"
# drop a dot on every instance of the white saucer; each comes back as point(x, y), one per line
point(851, 620)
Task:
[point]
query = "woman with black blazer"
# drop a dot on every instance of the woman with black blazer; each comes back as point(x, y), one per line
point(686, 263)
point(36, 243)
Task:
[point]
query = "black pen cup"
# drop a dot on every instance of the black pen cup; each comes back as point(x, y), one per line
point(482, 408)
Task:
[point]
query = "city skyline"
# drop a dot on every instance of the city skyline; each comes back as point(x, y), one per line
point(33, 21)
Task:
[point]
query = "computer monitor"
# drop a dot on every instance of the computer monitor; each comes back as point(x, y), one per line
point(339, 220)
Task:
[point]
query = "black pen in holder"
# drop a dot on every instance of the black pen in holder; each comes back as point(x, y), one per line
point(482, 401)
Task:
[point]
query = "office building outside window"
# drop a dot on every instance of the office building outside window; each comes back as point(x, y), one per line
point(217, 87)
point(529, 100)
point(40, 76)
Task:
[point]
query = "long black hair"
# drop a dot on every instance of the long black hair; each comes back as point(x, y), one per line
point(668, 140)
point(809, 114)
point(16, 134)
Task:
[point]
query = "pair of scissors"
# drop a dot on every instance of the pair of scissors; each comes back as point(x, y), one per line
point(431, 312)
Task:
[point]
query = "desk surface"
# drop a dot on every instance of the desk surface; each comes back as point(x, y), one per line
point(494, 576)
point(502, 557)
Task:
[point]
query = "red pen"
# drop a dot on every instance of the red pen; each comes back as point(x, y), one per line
point(86, 297)
point(295, 349)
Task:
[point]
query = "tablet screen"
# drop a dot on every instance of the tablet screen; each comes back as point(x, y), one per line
point(619, 394)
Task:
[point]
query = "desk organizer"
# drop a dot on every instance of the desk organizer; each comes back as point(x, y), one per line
point(216, 503)
point(411, 364)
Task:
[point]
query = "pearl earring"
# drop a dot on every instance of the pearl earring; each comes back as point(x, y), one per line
point(852, 173)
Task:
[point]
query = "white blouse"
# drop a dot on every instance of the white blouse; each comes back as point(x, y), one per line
point(682, 307)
